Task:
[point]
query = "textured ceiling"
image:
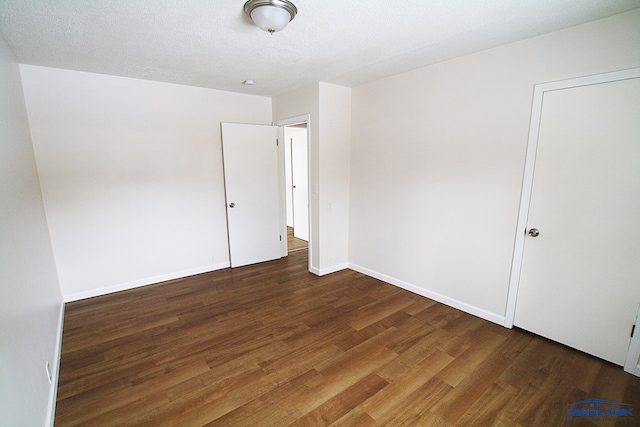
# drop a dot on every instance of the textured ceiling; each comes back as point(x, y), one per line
point(213, 44)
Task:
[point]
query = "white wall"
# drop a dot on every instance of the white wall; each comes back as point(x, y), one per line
point(30, 298)
point(335, 143)
point(131, 174)
point(329, 107)
point(437, 158)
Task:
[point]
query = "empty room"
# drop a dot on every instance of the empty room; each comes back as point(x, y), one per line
point(273, 213)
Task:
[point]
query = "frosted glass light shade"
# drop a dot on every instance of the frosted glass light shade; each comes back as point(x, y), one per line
point(270, 15)
point(270, 18)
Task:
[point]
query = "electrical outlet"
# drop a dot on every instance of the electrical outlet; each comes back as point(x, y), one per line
point(47, 367)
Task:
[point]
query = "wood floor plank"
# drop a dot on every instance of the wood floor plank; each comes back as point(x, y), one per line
point(272, 344)
point(485, 411)
point(604, 388)
point(354, 418)
point(413, 355)
point(456, 403)
point(469, 361)
point(414, 408)
point(210, 402)
point(379, 310)
point(343, 402)
point(276, 408)
point(391, 398)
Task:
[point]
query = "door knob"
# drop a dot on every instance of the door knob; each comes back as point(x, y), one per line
point(232, 205)
point(534, 232)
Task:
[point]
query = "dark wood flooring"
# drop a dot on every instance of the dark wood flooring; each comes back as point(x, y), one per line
point(295, 244)
point(273, 345)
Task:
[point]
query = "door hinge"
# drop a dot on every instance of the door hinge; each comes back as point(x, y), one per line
point(633, 329)
point(277, 142)
point(281, 237)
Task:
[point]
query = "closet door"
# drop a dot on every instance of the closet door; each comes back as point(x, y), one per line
point(580, 276)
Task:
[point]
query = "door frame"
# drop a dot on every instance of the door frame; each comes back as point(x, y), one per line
point(632, 362)
point(281, 124)
point(527, 183)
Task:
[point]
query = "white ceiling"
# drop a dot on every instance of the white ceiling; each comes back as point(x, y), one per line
point(211, 43)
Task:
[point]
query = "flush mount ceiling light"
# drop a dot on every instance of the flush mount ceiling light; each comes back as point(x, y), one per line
point(270, 15)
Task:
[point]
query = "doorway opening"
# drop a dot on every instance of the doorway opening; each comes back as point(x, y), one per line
point(296, 185)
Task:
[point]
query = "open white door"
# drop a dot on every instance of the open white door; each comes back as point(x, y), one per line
point(580, 277)
point(252, 186)
point(300, 182)
point(288, 178)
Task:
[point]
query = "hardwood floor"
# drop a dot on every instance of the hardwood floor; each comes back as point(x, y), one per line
point(293, 243)
point(273, 345)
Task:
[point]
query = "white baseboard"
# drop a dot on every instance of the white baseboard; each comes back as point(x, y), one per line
point(144, 282)
point(329, 270)
point(467, 308)
point(53, 392)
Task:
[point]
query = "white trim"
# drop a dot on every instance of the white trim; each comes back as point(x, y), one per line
point(53, 392)
point(282, 190)
point(292, 121)
point(312, 238)
point(332, 269)
point(144, 282)
point(523, 213)
point(527, 183)
point(613, 76)
point(633, 354)
point(451, 302)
